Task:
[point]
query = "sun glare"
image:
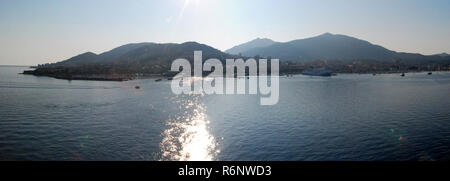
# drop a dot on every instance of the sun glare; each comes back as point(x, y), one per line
point(186, 2)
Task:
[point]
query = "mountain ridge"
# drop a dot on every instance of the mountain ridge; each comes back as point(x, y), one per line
point(328, 46)
point(143, 52)
point(325, 47)
point(255, 43)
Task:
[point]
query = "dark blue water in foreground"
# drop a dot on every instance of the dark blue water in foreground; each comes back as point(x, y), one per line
point(346, 117)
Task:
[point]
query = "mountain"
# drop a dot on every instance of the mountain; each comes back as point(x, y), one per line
point(256, 43)
point(123, 62)
point(145, 54)
point(442, 54)
point(332, 47)
point(324, 47)
point(84, 58)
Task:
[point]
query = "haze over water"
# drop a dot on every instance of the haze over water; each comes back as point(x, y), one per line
point(344, 117)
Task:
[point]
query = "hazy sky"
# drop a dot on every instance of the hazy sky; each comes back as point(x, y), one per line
point(40, 31)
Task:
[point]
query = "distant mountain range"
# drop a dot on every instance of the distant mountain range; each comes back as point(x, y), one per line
point(327, 47)
point(156, 58)
point(323, 47)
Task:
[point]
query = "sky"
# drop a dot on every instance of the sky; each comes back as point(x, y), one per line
point(41, 31)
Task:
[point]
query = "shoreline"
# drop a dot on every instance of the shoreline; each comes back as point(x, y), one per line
point(125, 77)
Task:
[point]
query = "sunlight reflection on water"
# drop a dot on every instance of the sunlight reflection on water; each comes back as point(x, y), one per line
point(188, 138)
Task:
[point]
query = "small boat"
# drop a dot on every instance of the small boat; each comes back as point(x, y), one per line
point(137, 87)
point(170, 78)
point(429, 73)
point(403, 74)
point(374, 74)
point(157, 80)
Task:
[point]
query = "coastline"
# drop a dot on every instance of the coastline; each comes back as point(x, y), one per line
point(128, 77)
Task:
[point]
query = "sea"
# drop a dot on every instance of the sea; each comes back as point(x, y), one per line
point(348, 117)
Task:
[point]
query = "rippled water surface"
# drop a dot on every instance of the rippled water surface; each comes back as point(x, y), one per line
point(346, 117)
